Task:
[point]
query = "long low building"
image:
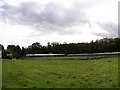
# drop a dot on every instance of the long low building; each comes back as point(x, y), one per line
point(95, 54)
point(84, 54)
point(42, 55)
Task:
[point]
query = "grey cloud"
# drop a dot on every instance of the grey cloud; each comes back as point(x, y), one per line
point(61, 16)
point(23, 14)
point(53, 17)
point(111, 28)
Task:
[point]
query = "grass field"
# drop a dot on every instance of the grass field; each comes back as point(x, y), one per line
point(61, 72)
point(0, 74)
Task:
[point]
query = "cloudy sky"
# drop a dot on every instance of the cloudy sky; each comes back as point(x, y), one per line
point(24, 22)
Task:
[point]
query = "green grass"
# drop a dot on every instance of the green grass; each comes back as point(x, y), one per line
point(0, 74)
point(55, 72)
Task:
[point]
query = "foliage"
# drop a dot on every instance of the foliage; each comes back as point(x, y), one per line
point(99, 46)
point(102, 45)
point(12, 51)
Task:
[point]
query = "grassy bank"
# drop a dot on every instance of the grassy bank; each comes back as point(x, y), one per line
point(61, 72)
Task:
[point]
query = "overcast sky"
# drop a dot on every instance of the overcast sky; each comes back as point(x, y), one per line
point(24, 22)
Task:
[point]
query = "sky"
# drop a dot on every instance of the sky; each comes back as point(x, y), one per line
point(23, 22)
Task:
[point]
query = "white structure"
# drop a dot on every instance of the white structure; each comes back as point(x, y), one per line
point(84, 54)
point(43, 55)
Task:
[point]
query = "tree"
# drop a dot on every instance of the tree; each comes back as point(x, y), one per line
point(23, 52)
point(98, 46)
point(6, 54)
point(34, 48)
point(15, 50)
point(18, 52)
point(36, 45)
point(11, 49)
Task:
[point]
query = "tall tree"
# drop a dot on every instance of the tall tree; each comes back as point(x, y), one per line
point(11, 49)
point(18, 52)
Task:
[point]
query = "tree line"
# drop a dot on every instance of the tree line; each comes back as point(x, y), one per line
point(98, 46)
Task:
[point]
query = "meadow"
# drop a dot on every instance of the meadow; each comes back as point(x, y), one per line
point(61, 72)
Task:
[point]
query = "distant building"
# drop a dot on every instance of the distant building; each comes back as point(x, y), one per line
point(9, 56)
point(43, 55)
point(83, 54)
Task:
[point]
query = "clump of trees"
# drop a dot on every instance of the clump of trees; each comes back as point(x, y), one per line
point(12, 51)
point(98, 46)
